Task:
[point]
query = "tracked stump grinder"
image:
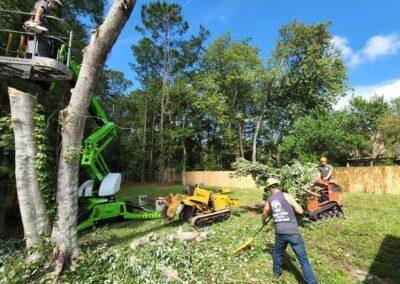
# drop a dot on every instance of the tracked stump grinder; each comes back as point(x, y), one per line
point(323, 200)
point(201, 207)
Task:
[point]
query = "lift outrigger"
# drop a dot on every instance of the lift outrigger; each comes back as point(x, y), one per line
point(47, 58)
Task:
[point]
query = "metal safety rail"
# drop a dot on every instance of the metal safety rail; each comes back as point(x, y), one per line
point(26, 61)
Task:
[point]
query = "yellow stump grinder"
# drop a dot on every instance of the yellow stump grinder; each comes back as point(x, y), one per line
point(201, 207)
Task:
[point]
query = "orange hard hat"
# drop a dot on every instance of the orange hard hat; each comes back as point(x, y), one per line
point(323, 159)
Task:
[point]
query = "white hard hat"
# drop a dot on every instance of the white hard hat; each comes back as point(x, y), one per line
point(272, 181)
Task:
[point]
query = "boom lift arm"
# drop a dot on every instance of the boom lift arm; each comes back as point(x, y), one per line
point(104, 205)
point(92, 159)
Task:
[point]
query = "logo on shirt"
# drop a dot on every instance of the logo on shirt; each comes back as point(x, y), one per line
point(276, 206)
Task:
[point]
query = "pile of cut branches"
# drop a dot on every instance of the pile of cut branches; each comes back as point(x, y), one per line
point(292, 177)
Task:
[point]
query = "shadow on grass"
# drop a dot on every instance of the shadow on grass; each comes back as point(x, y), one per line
point(386, 265)
point(287, 264)
point(115, 240)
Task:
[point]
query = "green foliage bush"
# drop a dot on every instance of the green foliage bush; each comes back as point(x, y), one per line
point(14, 264)
point(6, 150)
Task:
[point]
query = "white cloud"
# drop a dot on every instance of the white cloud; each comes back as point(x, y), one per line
point(388, 89)
point(379, 45)
point(343, 44)
point(376, 47)
point(351, 58)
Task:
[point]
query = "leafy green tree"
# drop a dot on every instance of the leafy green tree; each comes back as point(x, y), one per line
point(165, 25)
point(307, 74)
point(235, 68)
point(389, 130)
point(365, 115)
point(327, 134)
point(164, 52)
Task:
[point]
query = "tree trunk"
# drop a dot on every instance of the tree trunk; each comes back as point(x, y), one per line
point(73, 120)
point(142, 175)
point(151, 155)
point(162, 162)
point(29, 196)
point(164, 100)
point(255, 136)
point(278, 152)
point(241, 148)
point(184, 160)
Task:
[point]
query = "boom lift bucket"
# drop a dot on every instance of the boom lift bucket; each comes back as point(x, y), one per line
point(36, 57)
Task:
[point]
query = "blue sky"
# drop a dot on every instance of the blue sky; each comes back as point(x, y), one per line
point(368, 32)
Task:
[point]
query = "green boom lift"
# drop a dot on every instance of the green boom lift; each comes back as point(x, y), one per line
point(46, 59)
point(96, 196)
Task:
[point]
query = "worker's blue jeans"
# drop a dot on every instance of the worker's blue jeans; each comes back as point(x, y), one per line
point(297, 244)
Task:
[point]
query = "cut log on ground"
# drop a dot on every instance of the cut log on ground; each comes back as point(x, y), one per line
point(136, 244)
point(187, 236)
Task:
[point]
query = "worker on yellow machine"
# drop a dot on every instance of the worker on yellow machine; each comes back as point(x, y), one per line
point(40, 9)
point(283, 207)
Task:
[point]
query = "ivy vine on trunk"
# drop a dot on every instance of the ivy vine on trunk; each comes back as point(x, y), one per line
point(45, 165)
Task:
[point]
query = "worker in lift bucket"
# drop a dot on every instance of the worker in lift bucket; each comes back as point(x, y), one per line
point(40, 9)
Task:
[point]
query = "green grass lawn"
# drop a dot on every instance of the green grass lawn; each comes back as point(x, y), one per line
point(347, 250)
point(340, 250)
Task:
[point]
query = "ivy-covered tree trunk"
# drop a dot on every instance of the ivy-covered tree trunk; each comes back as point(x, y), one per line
point(29, 196)
point(73, 121)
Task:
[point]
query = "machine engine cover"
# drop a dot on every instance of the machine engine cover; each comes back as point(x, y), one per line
point(110, 184)
point(85, 190)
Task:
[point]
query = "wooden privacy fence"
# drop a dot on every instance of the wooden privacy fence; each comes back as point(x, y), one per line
point(217, 178)
point(381, 180)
